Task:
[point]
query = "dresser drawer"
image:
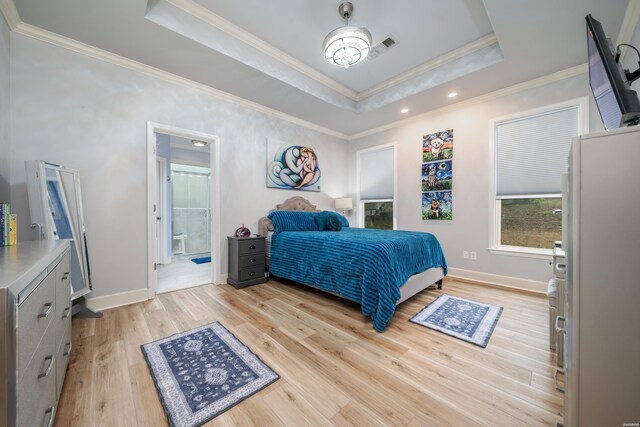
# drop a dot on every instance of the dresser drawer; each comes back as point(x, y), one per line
point(33, 318)
point(253, 246)
point(62, 360)
point(37, 384)
point(251, 261)
point(63, 296)
point(256, 272)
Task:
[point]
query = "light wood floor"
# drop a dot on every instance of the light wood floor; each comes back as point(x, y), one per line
point(335, 369)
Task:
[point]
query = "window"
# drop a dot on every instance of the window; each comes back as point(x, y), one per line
point(531, 152)
point(376, 187)
point(378, 214)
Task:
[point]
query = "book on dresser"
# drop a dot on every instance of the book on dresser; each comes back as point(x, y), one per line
point(35, 330)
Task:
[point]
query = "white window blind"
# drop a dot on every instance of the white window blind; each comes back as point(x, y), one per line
point(532, 152)
point(376, 174)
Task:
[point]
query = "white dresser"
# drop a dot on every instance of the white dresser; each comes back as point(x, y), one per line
point(35, 330)
point(602, 341)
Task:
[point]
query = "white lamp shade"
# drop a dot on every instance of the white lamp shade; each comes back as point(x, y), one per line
point(344, 204)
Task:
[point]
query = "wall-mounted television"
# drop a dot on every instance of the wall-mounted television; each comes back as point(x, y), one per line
point(617, 103)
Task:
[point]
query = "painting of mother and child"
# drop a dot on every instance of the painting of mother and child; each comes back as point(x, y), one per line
point(292, 166)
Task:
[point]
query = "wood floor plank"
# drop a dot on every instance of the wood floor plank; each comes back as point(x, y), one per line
point(335, 368)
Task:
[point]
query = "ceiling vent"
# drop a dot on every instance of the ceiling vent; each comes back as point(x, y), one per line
point(382, 47)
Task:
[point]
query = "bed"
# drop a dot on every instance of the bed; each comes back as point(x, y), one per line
point(377, 269)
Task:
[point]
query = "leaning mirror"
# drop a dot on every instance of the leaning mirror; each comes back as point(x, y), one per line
point(55, 205)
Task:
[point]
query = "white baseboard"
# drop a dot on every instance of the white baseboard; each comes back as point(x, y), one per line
point(497, 280)
point(223, 279)
point(125, 298)
point(117, 300)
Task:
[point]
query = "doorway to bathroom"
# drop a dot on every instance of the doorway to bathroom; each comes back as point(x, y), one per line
point(183, 244)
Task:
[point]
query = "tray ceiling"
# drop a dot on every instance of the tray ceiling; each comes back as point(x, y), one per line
point(271, 52)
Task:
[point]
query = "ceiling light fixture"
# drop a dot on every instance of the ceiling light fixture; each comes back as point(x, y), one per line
point(452, 94)
point(346, 46)
point(404, 110)
point(197, 143)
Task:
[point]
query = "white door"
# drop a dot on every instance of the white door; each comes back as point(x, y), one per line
point(159, 212)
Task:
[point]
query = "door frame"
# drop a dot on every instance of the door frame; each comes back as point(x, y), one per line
point(216, 243)
point(161, 246)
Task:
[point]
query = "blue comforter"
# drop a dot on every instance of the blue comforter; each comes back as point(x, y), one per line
point(364, 265)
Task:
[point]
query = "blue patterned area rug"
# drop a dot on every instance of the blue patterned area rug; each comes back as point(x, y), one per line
point(461, 318)
point(203, 372)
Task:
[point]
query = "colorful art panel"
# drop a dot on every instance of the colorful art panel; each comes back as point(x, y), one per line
point(292, 166)
point(437, 205)
point(437, 176)
point(437, 146)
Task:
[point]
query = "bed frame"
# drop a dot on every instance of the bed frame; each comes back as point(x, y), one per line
point(415, 284)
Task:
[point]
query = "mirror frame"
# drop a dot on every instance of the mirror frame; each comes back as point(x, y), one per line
point(41, 217)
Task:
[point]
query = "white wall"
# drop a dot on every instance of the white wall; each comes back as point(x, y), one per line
point(5, 111)
point(91, 115)
point(469, 229)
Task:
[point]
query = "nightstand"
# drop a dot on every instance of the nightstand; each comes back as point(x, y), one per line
point(246, 261)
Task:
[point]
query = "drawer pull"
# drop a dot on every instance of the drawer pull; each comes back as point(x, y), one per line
point(253, 273)
point(555, 379)
point(252, 260)
point(252, 247)
point(46, 310)
point(52, 416)
point(65, 276)
point(558, 320)
point(561, 267)
point(48, 368)
point(66, 313)
point(67, 349)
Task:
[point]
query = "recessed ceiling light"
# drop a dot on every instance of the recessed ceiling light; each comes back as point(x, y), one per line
point(197, 143)
point(452, 94)
point(404, 110)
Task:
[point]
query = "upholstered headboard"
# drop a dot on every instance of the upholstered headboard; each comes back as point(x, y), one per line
point(296, 203)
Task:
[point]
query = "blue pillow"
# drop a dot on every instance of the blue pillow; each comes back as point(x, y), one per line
point(293, 221)
point(332, 223)
point(326, 221)
point(321, 221)
point(343, 221)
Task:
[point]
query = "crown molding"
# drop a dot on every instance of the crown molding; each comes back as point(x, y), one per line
point(531, 84)
point(458, 53)
point(222, 24)
point(629, 24)
point(8, 9)
point(112, 58)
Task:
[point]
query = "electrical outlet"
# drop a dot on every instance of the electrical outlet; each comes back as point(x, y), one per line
point(465, 254)
point(474, 255)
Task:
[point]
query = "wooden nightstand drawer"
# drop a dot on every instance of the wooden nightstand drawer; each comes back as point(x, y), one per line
point(252, 246)
point(251, 261)
point(256, 272)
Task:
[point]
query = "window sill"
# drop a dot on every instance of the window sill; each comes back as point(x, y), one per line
point(522, 252)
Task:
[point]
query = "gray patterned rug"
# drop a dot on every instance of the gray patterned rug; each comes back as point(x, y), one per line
point(461, 318)
point(203, 372)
